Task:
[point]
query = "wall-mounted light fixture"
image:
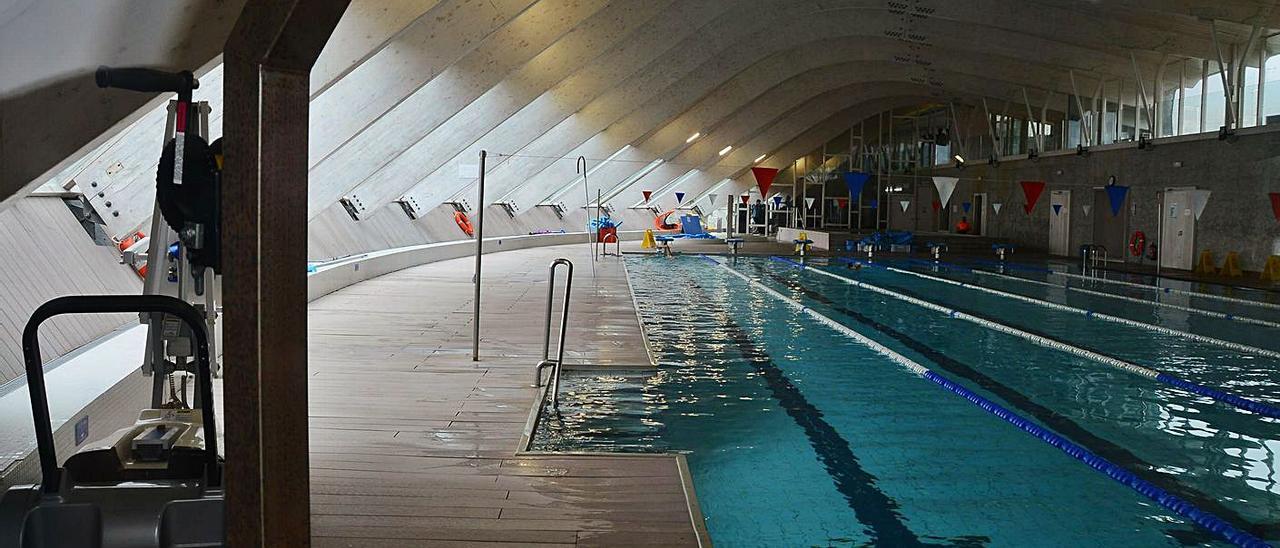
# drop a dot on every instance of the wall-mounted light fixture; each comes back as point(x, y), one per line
point(693, 137)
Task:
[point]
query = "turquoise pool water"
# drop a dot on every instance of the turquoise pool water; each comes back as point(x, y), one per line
point(797, 435)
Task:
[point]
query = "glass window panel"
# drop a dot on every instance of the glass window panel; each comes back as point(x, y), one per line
point(1215, 101)
point(1191, 97)
point(1271, 87)
point(1250, 97)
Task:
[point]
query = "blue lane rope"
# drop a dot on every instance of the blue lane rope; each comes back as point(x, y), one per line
point(1216, 394)
point(1171, 502)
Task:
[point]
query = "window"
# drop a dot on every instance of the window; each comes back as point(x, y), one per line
point(1271, 87)
point(1192, 97)
point(1215, 102)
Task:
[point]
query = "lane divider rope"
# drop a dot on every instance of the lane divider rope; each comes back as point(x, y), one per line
point(1086, 313)
point(1192, 310)
point(1171, 502)
point(1248, 302)
point(1054, 344)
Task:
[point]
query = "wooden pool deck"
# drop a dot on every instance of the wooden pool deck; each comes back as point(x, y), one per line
point(414, 444)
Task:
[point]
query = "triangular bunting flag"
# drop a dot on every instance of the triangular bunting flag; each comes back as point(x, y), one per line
point(966, 206)
point(647, 194)
point(777, 200)
point(679, 197)
point(936, 205)
point(855, 181)
point(1032, 190)
point(1116, 194)
point(875, 204)
point(1057, 209)
point(746, 199)
point(995, 206)
point(946, 186)
point(905, 204)
point(808, 203)
point(711, 199)
point(1199, 199)
point(1275, 204)
point(1086, 209)
point(764, 178)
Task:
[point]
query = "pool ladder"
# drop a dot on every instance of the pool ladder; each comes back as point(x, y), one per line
point(1092, 257)
point(546, 339)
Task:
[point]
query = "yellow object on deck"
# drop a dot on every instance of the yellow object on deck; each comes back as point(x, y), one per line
point(1271, 271)
point(1231, 266)
point(647, 242)
point(1205, 264)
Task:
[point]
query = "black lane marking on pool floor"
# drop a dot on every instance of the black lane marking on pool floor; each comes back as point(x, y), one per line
point(872, 506)
point(1058, 422)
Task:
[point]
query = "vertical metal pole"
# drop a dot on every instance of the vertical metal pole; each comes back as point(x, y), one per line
point(564, 324)
point(1160, 237)
point(581, 167)
point(475, 328)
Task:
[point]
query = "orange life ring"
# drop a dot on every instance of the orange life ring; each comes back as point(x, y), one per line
point(660, 222)
point(464, 223)
point(129, 240)
point(1137, 243)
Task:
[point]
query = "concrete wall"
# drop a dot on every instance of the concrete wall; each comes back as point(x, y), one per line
point(1238, 216)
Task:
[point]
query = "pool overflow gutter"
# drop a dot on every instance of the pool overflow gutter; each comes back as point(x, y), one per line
point(1169, 501)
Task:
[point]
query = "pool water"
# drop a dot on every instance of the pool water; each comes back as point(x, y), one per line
point(796, 435)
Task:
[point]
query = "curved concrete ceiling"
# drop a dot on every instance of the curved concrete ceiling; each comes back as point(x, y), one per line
point(407, 93)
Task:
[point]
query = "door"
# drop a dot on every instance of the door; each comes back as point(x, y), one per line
point(1110, 230)
point(978, 210)
point(1178, 229)
point(1060, 222)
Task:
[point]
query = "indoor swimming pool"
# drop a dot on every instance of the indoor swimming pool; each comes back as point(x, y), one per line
point(804, 431)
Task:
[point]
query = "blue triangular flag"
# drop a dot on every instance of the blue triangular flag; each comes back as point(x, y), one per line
point(679, 197)
point(855, 180)
point(967, 206)
point(777, 200)
point(875, 204)
point(1117, 193)
point(1057, 208)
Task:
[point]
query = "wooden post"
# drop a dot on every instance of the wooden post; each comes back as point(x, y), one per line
point(268, 61)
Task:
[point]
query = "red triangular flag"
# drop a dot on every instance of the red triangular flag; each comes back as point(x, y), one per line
point(647, 194)
point(1032, 190)
point(764, 178)
point(1275, 204)
point(936, 206)
point(746, 198)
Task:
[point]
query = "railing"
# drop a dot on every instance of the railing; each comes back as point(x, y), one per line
point(546, 339)
point(1092, 256)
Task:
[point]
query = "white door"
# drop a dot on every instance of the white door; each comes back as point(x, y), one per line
point(1060, 222)
point(1177, 233)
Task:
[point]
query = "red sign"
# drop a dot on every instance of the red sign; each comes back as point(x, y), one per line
point(1032, 190)
point(1275, 204)
point(842, 202)
point(764, 178)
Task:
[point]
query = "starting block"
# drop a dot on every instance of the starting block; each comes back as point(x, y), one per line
point(664, 245)
point(734, 244)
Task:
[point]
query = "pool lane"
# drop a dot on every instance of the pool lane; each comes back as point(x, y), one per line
point(1060, 423)
point(1206, 447)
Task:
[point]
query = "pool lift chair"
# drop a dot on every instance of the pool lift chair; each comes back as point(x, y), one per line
point(156, 483)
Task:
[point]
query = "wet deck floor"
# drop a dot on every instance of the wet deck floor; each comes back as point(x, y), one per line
point(414, 444)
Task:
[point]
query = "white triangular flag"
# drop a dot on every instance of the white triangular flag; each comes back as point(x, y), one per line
point(1086, 209)
point(905, 204)
point(1199, 199)
point(996, 207)
point(711, 198)
point(946, 186)
point(808, 203)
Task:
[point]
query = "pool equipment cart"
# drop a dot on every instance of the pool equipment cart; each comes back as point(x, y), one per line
point(564, 323)
point(156, 483)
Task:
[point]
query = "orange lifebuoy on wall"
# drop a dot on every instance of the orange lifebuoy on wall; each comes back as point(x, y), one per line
point(464, 223)
point(1137, 243)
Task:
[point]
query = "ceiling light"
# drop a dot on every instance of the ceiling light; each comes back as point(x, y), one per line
point(758, 158)
point(726, 150)
point(692, 137)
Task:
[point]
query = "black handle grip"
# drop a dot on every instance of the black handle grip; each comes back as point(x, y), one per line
point(101, 304)
point(145, 79)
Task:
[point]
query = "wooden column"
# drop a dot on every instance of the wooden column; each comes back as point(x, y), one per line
point(268, 61)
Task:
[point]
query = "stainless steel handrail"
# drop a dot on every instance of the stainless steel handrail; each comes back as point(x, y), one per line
point(564, 322)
